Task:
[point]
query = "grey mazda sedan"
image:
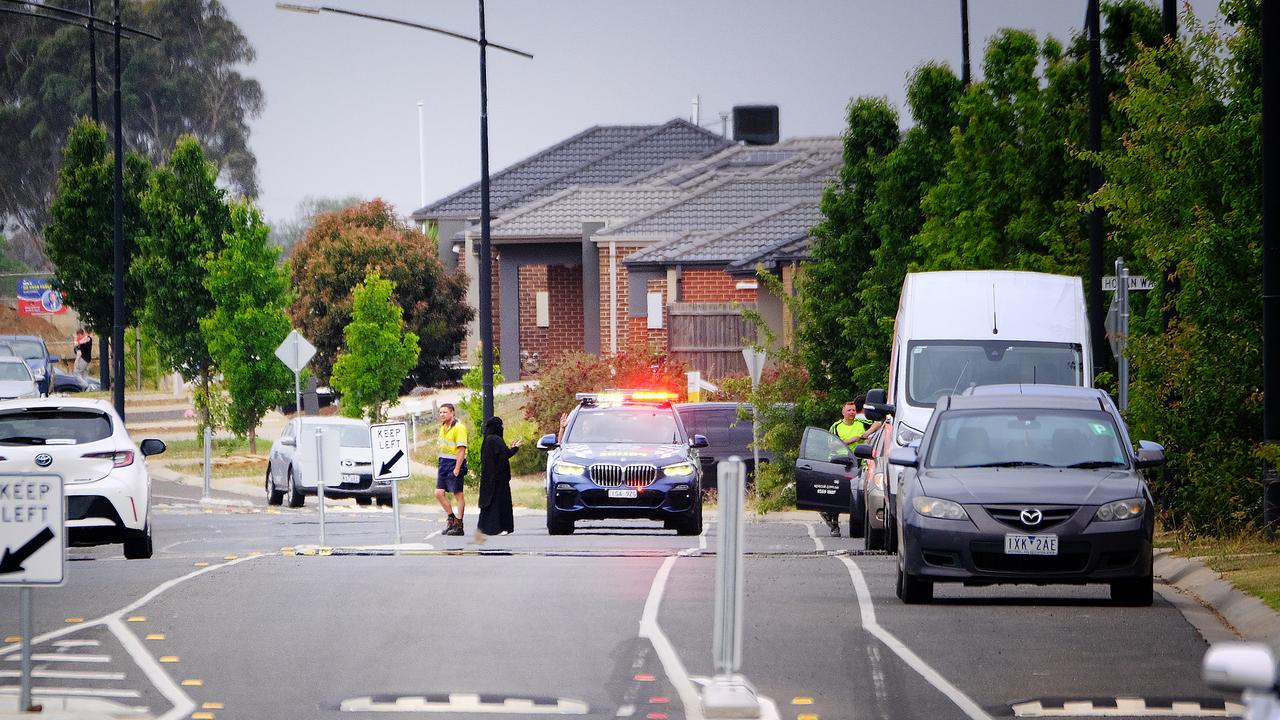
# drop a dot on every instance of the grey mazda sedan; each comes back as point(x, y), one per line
point(1026, 484)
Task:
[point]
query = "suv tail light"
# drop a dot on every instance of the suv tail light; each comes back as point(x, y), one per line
point(119, 458)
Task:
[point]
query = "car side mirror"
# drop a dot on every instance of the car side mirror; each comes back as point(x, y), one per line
point(863, 451)
point(1234, 666)
point(876, 412)
point(548, 441)
point(906, 457)
point(152, 446)
point(53, 358)
point(1149, 454)
point(877, 396)
point(288, 442)
point(699, 441)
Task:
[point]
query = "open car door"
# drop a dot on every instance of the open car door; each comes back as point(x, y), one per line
point(825, 472)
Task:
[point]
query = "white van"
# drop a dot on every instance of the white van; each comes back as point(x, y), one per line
point(959, 329)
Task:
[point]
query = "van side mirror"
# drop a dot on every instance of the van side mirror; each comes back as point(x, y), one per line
point(906, 457)
point(1235, 666)
point(1149, 454)
point(152, 446)
point(876, 412)
point(877, 396)
point(548, 441)
point(863, 451)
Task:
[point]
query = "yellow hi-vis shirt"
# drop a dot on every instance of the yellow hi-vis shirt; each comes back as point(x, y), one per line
point(849, 431)
point(452, 438)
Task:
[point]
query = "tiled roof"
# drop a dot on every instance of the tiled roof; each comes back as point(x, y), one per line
point(747, 239)
point(724, 204)
point(601, 155)
point(562, 214)
point(795, 248)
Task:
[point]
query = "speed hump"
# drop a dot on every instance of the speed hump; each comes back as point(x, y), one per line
point(390, 450)
point(31, 530)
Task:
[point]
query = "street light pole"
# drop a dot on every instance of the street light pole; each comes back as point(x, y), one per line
point(486, 267)
point(117, 314)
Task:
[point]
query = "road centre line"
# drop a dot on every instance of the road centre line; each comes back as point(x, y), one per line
point(933, 677)
point(671, 663)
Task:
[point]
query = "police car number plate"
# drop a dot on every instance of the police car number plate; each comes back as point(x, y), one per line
point(628, 493)
point(1030, 544)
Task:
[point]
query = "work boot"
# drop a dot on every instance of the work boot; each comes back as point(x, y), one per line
point(456, 528)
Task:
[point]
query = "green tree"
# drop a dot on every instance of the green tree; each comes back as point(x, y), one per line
point(1183, 192)
point(250, 294)
point(842, 250)
point(379, 351)
point(80, 239)
point(191, 82)
point(187, 219)
point(340, 248)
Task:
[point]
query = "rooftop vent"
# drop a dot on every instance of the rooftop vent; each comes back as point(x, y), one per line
point(755, 124)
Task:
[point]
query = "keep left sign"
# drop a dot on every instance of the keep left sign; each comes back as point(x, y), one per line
point(32, 530)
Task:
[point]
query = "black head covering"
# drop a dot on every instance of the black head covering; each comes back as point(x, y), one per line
point(493, 426)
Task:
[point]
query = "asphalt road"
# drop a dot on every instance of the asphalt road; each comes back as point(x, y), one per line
point(240, 616)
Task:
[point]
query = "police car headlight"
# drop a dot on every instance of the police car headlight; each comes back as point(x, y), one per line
point(683, 469)
point(568, 469)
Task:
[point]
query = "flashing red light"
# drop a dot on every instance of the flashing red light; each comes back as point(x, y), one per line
point(654, 396)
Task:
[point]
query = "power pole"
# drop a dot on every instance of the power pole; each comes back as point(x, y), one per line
point(964, 42)
point(1270, 260)
point(1097, 236)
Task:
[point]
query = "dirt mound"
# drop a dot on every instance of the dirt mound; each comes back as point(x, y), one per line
point(11, 323)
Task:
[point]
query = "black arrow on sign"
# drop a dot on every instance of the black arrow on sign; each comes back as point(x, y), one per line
point(12, 561)
point(386, 466)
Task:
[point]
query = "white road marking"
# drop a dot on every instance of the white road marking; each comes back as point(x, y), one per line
point(962, 701)
point(817, 541)
point(66, 674)
point(76, 643)
point(78, 692)
point(183, 705)
point(702, 537)
point(671, 664)
point(1124, 707)
point(62, 657)
point(467, 703)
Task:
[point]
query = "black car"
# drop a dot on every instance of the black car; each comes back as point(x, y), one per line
point(1026, 484)
point(65, 382)
point(624, 455)
point(727, 427)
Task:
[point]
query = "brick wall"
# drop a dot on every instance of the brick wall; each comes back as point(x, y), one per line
point(564, 333)
point(533, 339)
point(703, 285)
point(624, 324)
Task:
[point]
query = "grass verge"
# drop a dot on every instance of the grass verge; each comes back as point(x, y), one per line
point(1247, 560)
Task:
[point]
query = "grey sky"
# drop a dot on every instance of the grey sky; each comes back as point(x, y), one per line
point(341, 92)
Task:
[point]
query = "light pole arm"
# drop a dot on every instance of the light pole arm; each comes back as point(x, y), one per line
point(316, 9)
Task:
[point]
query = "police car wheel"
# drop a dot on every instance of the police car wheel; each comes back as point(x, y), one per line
point(693, 525)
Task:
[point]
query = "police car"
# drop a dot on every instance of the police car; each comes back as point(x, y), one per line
point(624, 455)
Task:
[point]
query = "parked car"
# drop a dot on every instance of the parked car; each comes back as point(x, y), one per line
point(1026, 484)
point(32, 349)
point(287, 481)
point(65, 382)
point(16, 380)
point(105, 479)
point(728, 433)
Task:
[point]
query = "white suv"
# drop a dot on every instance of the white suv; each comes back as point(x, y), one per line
point(103, 473)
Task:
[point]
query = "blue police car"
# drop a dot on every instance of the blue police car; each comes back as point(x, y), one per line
point(624, 455)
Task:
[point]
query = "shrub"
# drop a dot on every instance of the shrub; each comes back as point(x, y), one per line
point(565, 376)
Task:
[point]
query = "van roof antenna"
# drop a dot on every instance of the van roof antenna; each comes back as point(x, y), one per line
point(995, 326)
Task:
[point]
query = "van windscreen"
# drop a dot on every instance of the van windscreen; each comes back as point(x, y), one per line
point(941, 367)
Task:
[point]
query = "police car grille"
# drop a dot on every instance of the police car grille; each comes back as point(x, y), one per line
point(610, 475)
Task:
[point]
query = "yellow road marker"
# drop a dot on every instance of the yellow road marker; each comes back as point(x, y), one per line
point(13, 638)
point(168, 658)
point(202, 564)
point(255, 553)
point(288, 553)
point(802, 701)
point(228, 557)
point(202, 716)
point(212, 706)
point(272, 511)
point(136, 618)
point(287, 549)
point(806, 716)
point(193, 682)
point(74, 620)
point(155, 636)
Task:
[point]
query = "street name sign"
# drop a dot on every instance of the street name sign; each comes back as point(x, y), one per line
point(296, 351)
point(32, 530)
point(1136, 282)
point(390, 450)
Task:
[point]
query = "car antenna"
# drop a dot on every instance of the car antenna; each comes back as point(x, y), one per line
point(995, 326)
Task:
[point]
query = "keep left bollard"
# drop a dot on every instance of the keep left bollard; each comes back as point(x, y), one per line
point(208, 459)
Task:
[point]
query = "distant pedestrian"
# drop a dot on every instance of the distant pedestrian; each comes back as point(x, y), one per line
point(83, 343)
point(451, 467)
point(852, 428)
point(496, 516)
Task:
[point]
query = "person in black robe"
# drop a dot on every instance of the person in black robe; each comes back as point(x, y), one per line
point(495, 480)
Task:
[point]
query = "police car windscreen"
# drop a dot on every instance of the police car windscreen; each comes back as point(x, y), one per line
point(625, 425)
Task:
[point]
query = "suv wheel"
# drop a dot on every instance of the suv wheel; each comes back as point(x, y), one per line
point(692, 525)
point(364, 501)
point(294, 498)
point(875, 537)
point(274, 496)
point(137, 545)
point(857, 513)
point(384, 501)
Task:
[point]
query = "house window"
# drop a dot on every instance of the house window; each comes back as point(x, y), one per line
point(655, 310)
point(542, 309)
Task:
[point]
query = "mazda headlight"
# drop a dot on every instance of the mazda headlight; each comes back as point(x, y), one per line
point(1121, 510)
point(907, 435)
point(936, 508)
point(683, 469)
point(568, 469)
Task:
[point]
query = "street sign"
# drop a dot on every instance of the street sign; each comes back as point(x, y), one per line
point(390, 450)
point(295, 352)
point(755, 363)
point(31, 530)
point(1112, 325)
point(1136, 282)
